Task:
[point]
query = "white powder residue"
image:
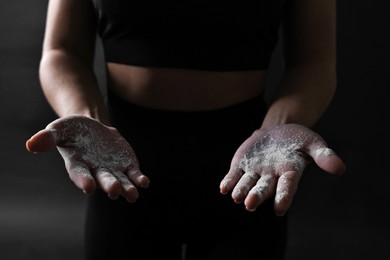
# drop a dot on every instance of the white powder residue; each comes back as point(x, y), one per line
point(96, 147)
point(323, 152)
point(272, 154)
point(282, 191)
point(262, 186)
point(279, 157)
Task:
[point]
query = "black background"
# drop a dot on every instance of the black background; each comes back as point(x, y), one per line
point(333, 217)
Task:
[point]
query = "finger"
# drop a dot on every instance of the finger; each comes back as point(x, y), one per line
point(244, 185)
point(42, 141)
point(285, 191)
point(128, 190)
point(108, 183)
point(136, 176)
point(262, 191)
point(327, 160)
point(230, 180)
point(81, 177)
point(50, 137)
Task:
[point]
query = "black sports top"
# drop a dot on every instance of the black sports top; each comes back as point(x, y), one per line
point(190, 34)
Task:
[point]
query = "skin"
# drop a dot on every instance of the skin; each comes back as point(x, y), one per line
point(305, 91)
point(295, 146)
point(83, 143)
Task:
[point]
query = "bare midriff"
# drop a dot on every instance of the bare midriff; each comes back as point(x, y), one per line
point(182, 89)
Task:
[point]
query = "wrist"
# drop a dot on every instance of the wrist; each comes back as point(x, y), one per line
point(100, 115)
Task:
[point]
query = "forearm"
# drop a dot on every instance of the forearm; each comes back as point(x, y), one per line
point(70, 86)
point(304, 94)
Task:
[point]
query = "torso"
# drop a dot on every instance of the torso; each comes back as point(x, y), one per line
point(188, 55)
point(182, 89)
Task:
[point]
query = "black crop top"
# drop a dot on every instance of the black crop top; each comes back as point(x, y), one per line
point(190, 34)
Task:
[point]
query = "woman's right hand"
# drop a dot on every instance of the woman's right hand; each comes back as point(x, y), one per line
point(95, 155)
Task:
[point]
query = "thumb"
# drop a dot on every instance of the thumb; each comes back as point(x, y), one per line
point(328, 160)
point(49, 137)
point(42, 141)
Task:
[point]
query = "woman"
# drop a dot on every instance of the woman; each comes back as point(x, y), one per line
point(185, 107)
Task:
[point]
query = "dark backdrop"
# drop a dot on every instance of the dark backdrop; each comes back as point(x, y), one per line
point(338, 218)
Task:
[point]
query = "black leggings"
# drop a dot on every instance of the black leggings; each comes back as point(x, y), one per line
point(182, 215)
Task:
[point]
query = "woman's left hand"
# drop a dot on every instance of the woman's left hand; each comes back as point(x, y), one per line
point(271, 162)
